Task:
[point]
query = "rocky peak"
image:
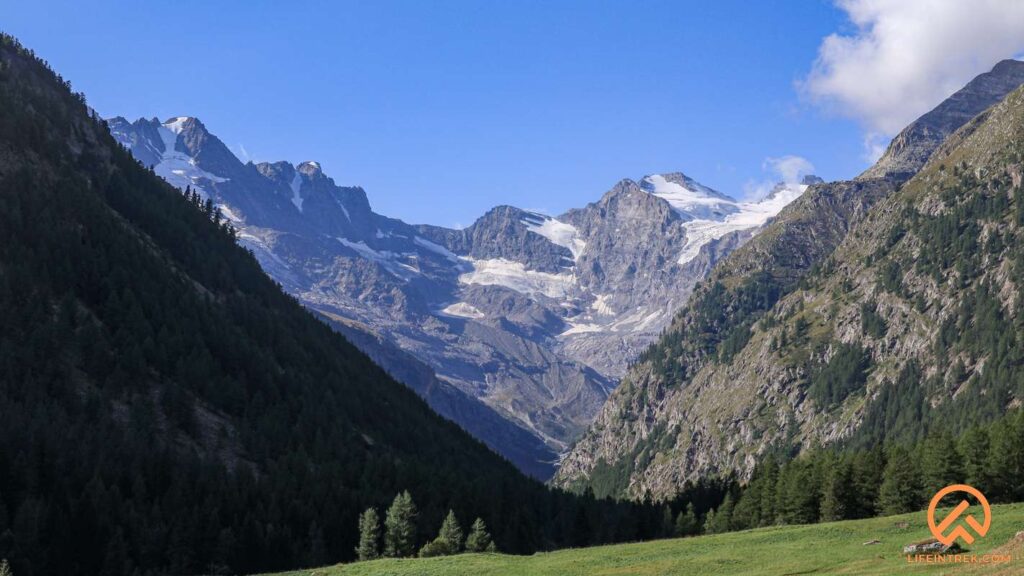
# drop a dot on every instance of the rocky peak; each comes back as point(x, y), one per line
point(205, 149)
point(310, 168)
point(280, 172)
point(509, 233)
point(911, 148)
point(691, 199)
point(680, 179)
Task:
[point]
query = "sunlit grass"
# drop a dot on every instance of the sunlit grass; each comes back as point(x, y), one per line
point(832, 548)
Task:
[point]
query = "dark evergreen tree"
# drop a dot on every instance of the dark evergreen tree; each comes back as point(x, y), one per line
point(802, 492)
point(974, 449)
point(769, 486)
point(668, 525)
point(479, 540)
point(1005, 465)
point(687, 523)
point(709, 522)
point(720, 520)
point(451, 533)
point(369, 535)
point(940, 464)
point(900, 491)
point(400, 527)
point(839, 498)
point(868, 467)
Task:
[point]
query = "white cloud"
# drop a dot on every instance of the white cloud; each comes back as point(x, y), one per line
point(905, 56)
point(789, 169)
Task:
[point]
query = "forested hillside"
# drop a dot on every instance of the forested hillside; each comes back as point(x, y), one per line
point(868, 311)
point(166, 408)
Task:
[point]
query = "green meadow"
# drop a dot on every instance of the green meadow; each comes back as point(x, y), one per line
point(829, 548)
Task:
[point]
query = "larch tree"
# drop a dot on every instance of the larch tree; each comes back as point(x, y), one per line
point(400, 527)
point(479, 539)
point(369, 535)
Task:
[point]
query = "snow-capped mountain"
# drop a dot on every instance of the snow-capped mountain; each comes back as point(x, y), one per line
point(516, 327)
point(711, 215)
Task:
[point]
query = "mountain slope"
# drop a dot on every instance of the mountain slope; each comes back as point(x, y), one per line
point(701, 401)
point(521, 317)
point(168, 409)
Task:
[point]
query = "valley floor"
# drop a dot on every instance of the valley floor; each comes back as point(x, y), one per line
point(831, 548)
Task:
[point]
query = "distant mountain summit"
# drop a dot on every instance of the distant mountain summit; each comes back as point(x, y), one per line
point(520, 324)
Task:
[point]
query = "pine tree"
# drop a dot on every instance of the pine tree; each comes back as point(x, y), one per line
point(686, 522)
point(451, 533)
point(900, 491)
point(801, 493)
point(838, 498)
point(721, 522)
point(974, 448)
point(667, 522)
point(400, 527)
point(1005, 463)
point(750, 506)
point(940, 464)
point(769, 513)
point(448, 541)
point(479, 540)
point(747, 512)
point(867, 477)
point(709, 521)
point(369, 535)
point(5, 569)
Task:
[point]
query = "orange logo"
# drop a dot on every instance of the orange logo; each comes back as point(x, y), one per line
point(941, 530)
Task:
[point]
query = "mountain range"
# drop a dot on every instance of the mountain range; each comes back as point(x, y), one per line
point(867, 311)
point(516, 327)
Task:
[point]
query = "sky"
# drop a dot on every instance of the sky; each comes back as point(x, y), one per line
point(444, 109)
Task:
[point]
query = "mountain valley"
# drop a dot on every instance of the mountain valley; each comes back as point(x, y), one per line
point(518, 326)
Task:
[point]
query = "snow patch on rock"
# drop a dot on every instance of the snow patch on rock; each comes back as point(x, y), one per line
point(515, 276)
point(463, 310)
point(700, 232)
point(558, 232)
point(691, 201)
point(296, 185)
point(435, 248)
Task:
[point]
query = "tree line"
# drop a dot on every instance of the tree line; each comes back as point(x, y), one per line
point(399, 535)
point(833, 485)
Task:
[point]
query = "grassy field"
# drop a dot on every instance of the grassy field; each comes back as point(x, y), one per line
point(833, 548)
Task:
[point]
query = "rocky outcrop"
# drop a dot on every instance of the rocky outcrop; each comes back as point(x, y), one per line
point(911, 148)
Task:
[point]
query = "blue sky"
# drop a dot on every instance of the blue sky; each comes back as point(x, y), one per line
point(444, 109)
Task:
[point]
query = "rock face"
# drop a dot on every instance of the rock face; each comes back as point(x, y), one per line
point(517, 327)
point(910, 149)
point(822, 327)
